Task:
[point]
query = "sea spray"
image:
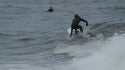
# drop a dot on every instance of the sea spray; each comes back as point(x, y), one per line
point(110, 57)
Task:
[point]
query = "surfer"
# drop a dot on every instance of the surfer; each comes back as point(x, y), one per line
point(75, 24)
point(50, 10)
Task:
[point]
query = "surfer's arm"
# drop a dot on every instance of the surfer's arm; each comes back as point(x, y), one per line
point(85, 21)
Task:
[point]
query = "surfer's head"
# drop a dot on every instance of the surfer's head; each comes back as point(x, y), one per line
point(76, 16)
point(50, 7)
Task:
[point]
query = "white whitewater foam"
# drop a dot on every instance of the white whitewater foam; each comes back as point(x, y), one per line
point(111, 56)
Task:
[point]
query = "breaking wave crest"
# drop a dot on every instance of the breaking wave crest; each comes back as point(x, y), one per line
point(111, 55)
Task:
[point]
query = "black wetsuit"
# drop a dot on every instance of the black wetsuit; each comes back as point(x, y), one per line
point(75, 25)
point(50, 10)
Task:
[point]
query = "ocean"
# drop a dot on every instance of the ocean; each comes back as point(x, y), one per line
point(33, 39)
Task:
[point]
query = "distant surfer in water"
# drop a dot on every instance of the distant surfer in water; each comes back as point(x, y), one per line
point(75, 24)
point(50, 10)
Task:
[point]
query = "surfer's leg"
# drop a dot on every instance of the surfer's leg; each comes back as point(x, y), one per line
point(71, 32)
point(76, 31)
point(81, 29)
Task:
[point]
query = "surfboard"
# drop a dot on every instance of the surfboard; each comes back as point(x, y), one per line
point(73, 33)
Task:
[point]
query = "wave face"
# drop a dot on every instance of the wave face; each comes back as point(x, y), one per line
point(32, 39)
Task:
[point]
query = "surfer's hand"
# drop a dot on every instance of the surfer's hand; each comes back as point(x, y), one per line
point(86, 24)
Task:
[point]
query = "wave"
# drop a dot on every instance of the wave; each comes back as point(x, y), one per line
point(3, 35)
point(111, 55)
point(25, 39)
point(108, 29)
